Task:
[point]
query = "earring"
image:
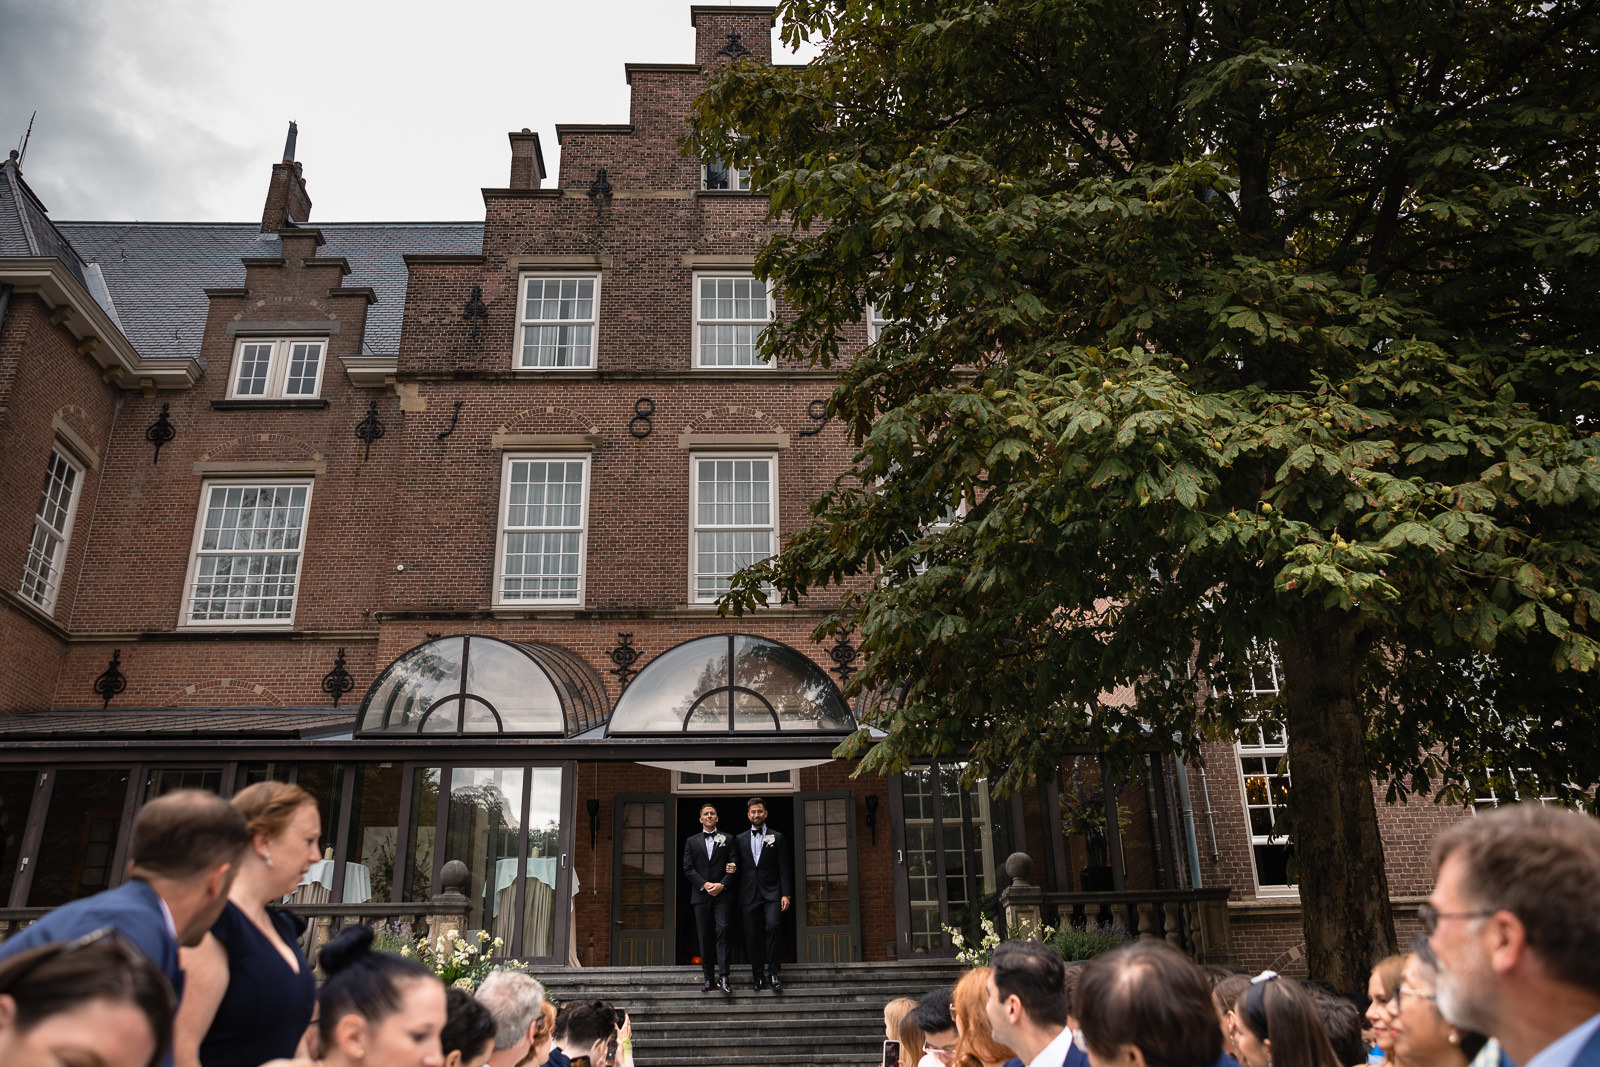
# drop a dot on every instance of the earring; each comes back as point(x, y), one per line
point(268, 857)
point(1454, 1038)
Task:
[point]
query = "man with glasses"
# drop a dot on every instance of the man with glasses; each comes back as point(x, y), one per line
point(1514, 918)
point(932, 1016)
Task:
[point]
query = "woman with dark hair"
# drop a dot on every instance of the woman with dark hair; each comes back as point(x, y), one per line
point(94, 1000)
point(1276, 1024)
point(467, 1039)
point(377, 1009)
point(1381, 989)
point(1422, 1038)
point(975, 1046)
point(248, 989)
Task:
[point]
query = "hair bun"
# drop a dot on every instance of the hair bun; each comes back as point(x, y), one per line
point(350, 947)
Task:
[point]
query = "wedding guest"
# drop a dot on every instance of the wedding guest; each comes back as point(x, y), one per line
point(1224, 995)
point(516, 1001)
point(1514, 918)
point(587, 1030)
point(544, 1034)
point(1277, 1025)
point(912, 1049)
point(1381, 987)
point(377, 1009)
point(1147, 1005)
point(893, 1013)
point(468, 1035)
point(1343, 1023)
point(96, 1000)
point(938, 1027)
point(976, 1045)
point(251, 989)
point(1422, 1037)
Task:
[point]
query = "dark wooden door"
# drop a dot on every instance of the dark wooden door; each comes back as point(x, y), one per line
point(829, 919)
point(644, 879)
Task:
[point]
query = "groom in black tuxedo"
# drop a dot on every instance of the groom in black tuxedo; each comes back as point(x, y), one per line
point(766, 888)
point(708, 863)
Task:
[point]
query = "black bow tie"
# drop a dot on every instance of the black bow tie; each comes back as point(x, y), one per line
point(711, 833)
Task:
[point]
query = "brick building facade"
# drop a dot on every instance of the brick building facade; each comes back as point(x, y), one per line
point(302, 481)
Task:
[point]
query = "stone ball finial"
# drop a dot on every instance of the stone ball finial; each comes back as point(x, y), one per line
point(1019, 868)
point(454, 877)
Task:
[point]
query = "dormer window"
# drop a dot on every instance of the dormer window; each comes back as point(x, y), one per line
point(718, 175)
point(277, 369)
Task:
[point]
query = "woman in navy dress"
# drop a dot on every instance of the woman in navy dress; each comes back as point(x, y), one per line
point(248, 989)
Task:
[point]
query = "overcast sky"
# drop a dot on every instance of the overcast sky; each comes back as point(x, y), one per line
point(176, 109)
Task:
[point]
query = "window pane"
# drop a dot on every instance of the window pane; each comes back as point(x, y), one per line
point(558, 315)
point(249, 562)
point(41, 572)
point(544, 520)
point(80, 836)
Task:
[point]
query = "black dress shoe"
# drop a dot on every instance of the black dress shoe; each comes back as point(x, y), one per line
point(759, 984)
point(705, 987)
point(777, 986)
point(724, 986)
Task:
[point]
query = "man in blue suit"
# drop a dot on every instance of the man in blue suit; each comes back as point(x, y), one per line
point(182, 857)
point(1027, 1006)
point(1514, 918)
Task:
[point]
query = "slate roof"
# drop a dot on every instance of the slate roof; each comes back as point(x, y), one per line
point(135, 723)
point(157, 271)
point(25, 226)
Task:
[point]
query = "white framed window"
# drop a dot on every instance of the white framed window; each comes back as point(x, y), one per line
point(559, 314)
point(735, 518)
point(52, 531)
point(730, 313)
point(277, 369)
point(543, 526)
point(249, 540)
point(1263, 751)
point(732, 783)
point(716, 174)
point(876, 321)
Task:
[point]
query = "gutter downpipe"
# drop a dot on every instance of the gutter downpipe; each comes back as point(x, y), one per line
point(1186, 807)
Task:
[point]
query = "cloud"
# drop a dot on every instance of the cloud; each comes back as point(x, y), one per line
point(130, 99)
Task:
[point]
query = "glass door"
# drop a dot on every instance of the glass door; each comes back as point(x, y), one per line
point(829, 905)
point(945, 846)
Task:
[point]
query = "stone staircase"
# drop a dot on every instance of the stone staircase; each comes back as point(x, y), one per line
point(826, 1016)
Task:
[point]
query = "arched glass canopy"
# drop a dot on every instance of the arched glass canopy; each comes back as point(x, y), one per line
point(474, 685)
point(731, 683)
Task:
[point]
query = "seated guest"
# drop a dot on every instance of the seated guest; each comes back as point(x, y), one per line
point(251, 989)
point(976, 1046)
point(468, 1035)
point(377, 1009)
point(1422, 1037)
point(1381, 987)
point(938, 1027)
point(1276, 1024)
point(91, 1001)
point(1027, 1002)
point(1147, 1005)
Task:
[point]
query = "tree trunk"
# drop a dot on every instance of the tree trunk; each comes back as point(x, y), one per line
point(1344, 891)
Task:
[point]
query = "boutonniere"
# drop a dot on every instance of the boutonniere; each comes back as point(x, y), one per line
point(719, 839)
point(769, 840)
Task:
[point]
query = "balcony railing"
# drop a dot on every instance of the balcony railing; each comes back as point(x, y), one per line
point(1193, 921)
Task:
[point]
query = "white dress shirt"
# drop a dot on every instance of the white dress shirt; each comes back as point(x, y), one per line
point(1055, 1053)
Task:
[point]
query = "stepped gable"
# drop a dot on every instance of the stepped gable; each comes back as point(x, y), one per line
point(158, 272)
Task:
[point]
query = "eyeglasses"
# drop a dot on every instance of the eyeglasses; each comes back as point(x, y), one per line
point(1429, 916)
point(1406, 991)
point(944, 1055)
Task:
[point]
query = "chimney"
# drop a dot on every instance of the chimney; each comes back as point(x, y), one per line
point(723, 34)
point(287, 200)
point(527, 160)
